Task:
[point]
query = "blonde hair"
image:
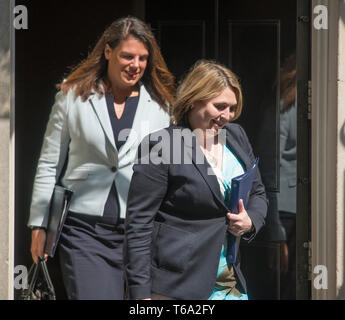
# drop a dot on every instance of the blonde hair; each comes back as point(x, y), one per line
point(206, 80)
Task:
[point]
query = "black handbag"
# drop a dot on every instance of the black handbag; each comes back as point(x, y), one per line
point(40, 286)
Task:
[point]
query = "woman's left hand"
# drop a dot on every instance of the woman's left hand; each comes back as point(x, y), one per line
point(239, 223)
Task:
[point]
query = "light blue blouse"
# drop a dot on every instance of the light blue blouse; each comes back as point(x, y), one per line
point(231, 167)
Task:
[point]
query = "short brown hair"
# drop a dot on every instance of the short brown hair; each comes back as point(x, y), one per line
point(206, 80)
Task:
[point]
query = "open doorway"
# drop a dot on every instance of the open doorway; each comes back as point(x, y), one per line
point(254, 38)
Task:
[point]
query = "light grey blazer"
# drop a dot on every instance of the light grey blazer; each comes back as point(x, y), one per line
point(84, 131)
point(288, 161)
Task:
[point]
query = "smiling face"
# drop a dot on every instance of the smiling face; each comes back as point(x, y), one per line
point(126, 62)
point(215, 113)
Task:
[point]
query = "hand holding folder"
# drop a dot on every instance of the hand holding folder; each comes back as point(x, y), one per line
point(241, 187)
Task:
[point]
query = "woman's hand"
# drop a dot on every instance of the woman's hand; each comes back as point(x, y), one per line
point(239, 223)
point(38, 240)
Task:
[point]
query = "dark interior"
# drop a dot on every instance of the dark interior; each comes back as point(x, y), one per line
point(251, 37)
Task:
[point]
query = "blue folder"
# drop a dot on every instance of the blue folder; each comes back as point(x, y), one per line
point(240, 189)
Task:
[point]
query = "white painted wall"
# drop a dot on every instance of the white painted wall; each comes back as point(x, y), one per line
point(328, 149)
point(6, 155)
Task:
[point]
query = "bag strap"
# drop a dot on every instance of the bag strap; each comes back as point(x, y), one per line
point(48, 279)
point(34, 270)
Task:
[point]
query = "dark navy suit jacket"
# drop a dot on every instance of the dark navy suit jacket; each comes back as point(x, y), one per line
point(176, 218)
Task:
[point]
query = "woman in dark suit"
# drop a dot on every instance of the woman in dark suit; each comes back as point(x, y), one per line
point(118, 95)
point(177, 222)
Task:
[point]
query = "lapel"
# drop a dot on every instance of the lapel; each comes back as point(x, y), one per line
point(99, 105)
point(140, 123)
point(192, 147)
point(141, 117)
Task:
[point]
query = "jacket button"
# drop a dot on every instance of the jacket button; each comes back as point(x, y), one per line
point(113, 169)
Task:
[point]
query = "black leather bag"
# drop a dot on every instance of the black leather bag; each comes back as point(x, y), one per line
point(40, 286)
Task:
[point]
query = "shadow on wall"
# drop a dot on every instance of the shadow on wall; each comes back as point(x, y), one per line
point(341, 293)
point(4, 84)
point(5, 59)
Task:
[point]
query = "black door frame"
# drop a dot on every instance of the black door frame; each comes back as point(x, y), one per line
point(303, 218)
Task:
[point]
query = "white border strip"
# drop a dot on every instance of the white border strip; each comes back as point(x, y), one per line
point(11, 161)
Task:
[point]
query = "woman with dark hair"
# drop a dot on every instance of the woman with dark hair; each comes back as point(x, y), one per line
point(178, 224)
point(119, 94)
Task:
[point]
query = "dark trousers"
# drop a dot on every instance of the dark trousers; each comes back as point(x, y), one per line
point(91, 258)
point(288, 279)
